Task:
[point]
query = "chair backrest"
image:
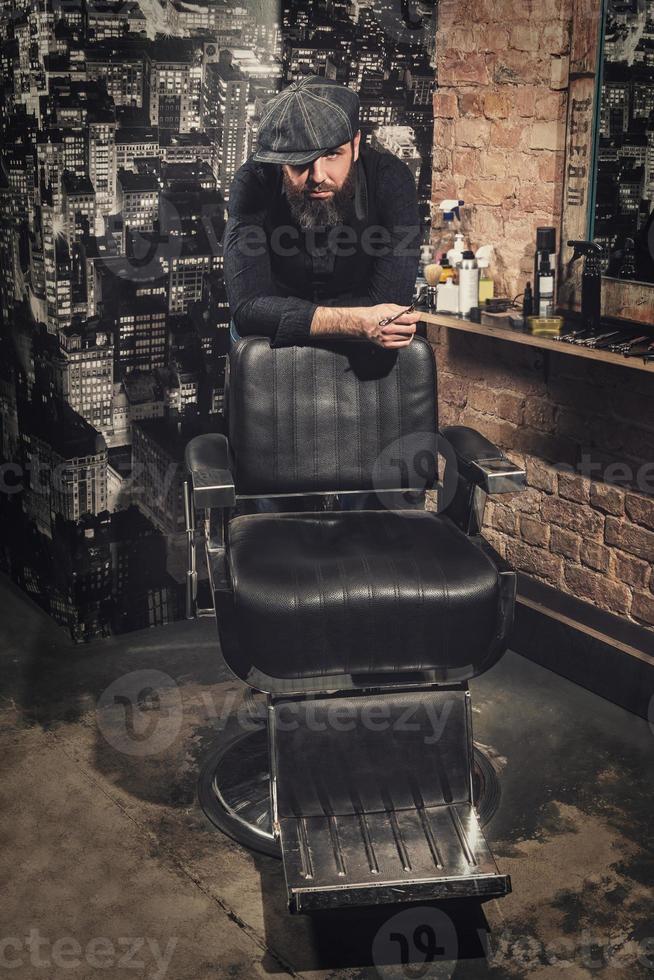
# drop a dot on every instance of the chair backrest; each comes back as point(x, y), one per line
point(318, 417)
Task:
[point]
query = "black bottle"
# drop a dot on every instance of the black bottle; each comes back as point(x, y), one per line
point(527, 301)
point(591, 282)
point(544, 275)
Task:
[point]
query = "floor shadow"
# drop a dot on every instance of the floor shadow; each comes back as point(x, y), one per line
point(428, 939)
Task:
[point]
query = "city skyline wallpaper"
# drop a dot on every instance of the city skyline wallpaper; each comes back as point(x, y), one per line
point(624, 189)
point(123, 125)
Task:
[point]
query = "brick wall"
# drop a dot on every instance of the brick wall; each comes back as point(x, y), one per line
point(584, 431)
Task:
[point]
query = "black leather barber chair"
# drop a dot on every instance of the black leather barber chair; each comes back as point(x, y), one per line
point(362, 628)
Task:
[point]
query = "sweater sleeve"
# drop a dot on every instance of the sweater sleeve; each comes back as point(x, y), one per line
point(255, 304)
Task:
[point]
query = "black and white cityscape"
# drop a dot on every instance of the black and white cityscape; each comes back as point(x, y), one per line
point(624, 191)
point(123, 124)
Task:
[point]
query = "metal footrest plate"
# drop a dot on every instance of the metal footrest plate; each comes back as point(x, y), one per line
point(415, 854)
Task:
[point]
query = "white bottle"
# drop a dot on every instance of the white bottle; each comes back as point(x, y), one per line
point(455, 254)
point(468, 283)
point(447, 297)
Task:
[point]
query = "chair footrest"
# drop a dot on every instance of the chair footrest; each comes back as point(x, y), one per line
point(415, 854)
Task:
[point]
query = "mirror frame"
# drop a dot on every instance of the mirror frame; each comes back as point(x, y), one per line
point(622, 299)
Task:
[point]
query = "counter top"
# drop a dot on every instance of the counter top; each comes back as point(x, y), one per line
point(514, 336)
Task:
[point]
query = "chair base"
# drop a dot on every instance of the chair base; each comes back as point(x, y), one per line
point(234, 790)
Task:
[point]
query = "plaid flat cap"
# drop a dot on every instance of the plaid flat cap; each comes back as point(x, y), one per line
point(305, 120)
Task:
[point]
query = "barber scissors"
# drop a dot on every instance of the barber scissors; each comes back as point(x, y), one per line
point(392, 319)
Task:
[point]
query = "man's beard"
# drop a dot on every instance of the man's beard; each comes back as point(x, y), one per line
point(317, 212)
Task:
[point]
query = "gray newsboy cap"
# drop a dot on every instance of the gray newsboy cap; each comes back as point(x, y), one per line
point(307, 118)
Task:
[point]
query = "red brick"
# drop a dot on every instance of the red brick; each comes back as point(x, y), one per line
point(500, 403)
point(504, 135)
point(472, 132)
point(534, 531)
point(546, 136)
point(526, 501)
point(602, 591)
point(573, 516)
point(642, 608)
point(565, 543)
point(574, 487)
point(640, 509)
point(629, 537)
point(551, 105)
point(496, 105)
point(444, 138)
point(466, 160)
point(494, 193)
point(524, 100)
point(555, 37)
point(595, 555)
point(497, 540)
point(524, 37)
point(500, 517)
point(632, 571)
point(514, 68)
point(452, 389)
point(540, 413)
point(463, 69)
point(471, 104)
point(607, 498)
point(499, 432)
point(537, 197)
point(534, 561)
point(540, 475)
point(445, 104)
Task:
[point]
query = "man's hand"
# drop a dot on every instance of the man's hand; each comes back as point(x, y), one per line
point(397, 334)
point(362, 322)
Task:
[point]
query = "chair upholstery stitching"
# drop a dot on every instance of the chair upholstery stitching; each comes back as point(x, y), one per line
point(347, 605)
point(370, 618)
point(276, 452)
point(294, 410)
point(421, 614)
point(335, 412)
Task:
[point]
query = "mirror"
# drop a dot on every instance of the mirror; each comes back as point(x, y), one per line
point(622, 210)
point(604, 187)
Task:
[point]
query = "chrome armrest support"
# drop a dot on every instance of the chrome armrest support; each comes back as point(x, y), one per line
point(209, 465)
point(475, 467)
point(209, 487)
point(482, 463)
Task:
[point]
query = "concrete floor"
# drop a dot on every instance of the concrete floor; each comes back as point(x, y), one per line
point(110, 869)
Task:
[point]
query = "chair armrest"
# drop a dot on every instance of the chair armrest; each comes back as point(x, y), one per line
point(481, 463)
point(209, 465)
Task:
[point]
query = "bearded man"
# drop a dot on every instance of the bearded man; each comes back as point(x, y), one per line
point(323, 232)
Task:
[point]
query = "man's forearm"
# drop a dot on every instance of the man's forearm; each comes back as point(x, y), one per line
point(338, 320)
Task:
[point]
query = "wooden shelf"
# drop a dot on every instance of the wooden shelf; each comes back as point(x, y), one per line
point(544, 343)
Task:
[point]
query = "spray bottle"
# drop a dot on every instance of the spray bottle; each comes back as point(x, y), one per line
point(449, 225)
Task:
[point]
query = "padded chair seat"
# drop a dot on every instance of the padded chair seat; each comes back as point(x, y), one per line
point(361, 592)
